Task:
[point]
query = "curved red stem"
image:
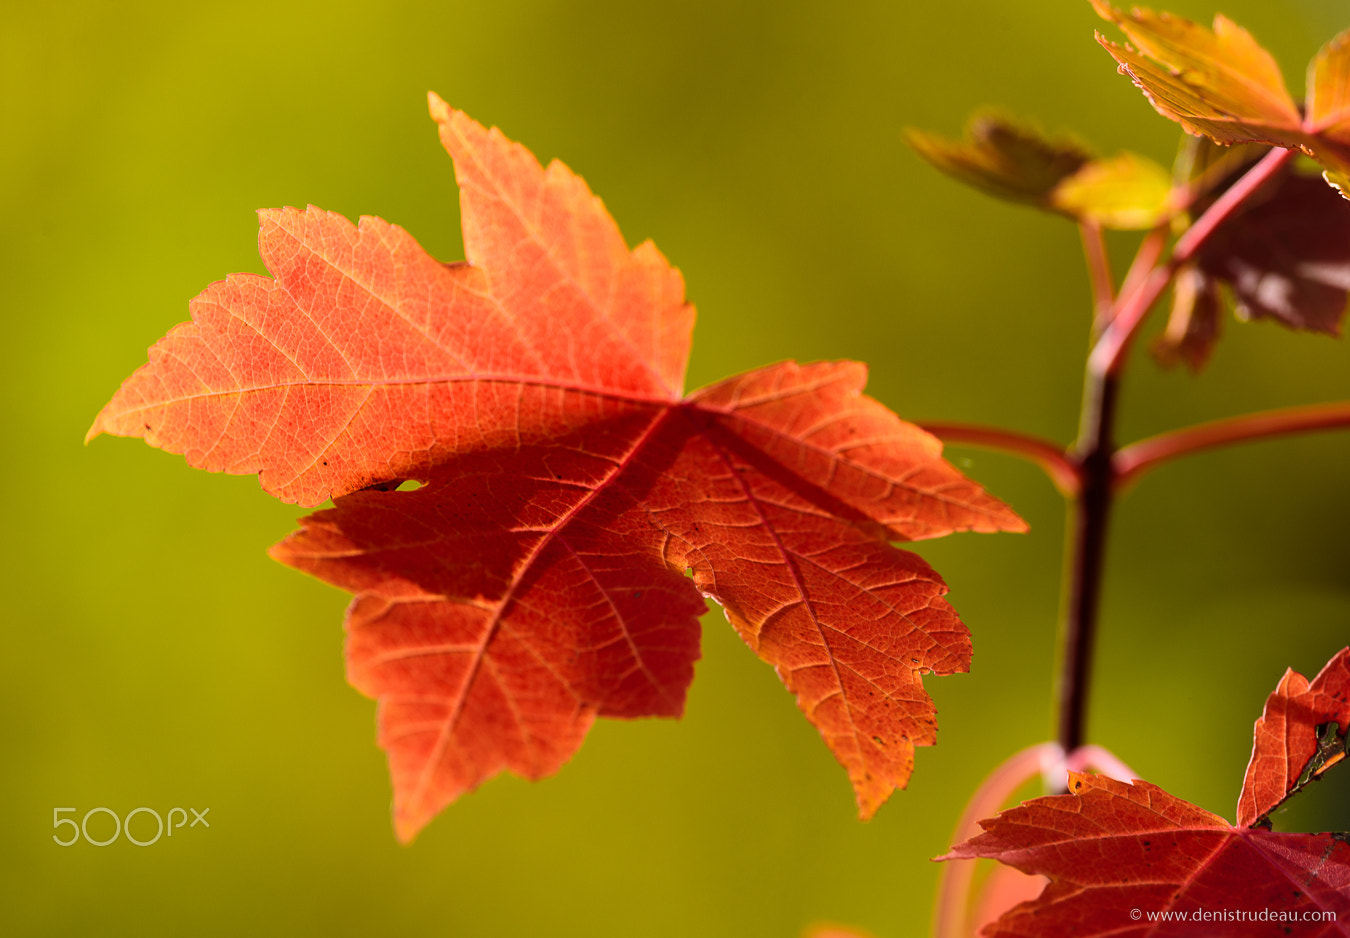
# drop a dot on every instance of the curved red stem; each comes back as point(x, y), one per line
point(1134, 460)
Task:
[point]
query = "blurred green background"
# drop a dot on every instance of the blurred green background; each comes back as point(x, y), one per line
point(154, 656)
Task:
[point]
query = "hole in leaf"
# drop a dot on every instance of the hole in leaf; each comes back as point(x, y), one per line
point(408, 485)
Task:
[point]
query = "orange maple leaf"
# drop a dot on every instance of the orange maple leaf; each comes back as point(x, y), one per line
point(536, 578)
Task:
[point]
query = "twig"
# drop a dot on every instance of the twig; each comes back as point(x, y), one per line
point(1049, 456)
point(1134, 460)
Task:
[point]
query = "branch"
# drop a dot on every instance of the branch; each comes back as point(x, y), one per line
point(1094, 453)
point(1145, 260)
point(1134, 460)
point(1131, 307)
point(1049, 456)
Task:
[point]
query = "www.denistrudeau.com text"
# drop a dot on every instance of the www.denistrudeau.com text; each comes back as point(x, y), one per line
point(1234, 915)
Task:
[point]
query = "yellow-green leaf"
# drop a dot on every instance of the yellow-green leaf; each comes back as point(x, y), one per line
point(1328, 118)
point(1127, 191)
point(1338, 181)
point(1018, 162)
point(1005, 158)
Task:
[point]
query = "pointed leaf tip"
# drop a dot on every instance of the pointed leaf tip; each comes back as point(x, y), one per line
point(1285, 740)
point(436, 105)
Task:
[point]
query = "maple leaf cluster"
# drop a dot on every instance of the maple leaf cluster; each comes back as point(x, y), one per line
point(536, 578)
point(1284, 256)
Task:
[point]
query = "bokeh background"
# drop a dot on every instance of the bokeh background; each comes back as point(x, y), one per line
point(154, 656)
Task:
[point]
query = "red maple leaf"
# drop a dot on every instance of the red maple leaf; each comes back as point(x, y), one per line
point(1128, 859)
point(536, 579)
point(1131, 860)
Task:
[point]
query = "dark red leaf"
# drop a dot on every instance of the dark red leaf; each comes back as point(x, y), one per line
point(1193, 327)
point(1286, 737)
point(1287, 257)
point(1131, 860)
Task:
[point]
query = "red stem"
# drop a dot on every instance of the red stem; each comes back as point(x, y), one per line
point(1225, 205)
point(1049, 456)
point(1093, 471)
point(1086, 546)
point(1094, 452)
point(1145, 260)
point(1133, 306)
point(1099, 273)
point(1099, 759)
point(1136, 459)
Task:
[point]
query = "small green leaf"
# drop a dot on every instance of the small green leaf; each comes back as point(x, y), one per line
point(1338, 181)
point(1005, 158)
point(1017, 162)
point(1127, 191)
